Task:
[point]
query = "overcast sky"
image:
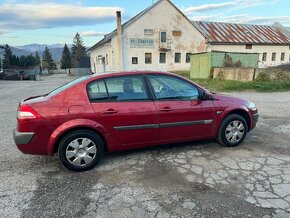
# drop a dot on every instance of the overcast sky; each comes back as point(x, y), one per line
point(49, 22)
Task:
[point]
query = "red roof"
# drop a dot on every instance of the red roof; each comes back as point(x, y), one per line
point(223, 33)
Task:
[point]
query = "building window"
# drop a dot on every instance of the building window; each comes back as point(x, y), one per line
point(134, 60)
point(249, 46)
point(148, 32)
point(163, 37)
point(177, 57)
point(264, 58)
point(187, 58)
point(176, 33)
point(148, 58)
point(282, 56)
point(273, 56)
point(162, 58)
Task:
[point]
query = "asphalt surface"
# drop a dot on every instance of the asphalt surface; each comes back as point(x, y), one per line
point(200, 179)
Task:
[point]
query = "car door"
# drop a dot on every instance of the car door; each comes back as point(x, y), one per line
point(181, 114)
point(123, 108)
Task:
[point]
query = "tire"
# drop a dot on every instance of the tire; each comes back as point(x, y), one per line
point(81, 150)
point(232, 131)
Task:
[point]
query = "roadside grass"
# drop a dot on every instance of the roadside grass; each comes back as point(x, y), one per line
point(277, 85)
point(231, 85)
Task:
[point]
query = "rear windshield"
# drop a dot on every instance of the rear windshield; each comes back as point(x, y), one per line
point(68, 85)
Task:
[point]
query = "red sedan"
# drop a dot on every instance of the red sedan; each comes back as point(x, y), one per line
point(111, 112)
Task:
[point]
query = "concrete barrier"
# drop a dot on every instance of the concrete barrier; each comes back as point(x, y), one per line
point(234, 73)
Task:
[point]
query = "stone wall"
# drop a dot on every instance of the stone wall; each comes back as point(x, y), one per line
point(236, 73)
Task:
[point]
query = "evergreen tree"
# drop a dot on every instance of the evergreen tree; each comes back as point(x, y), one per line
point(47, 60)
point(30, 61)
point(22, 61)
point(37, 59)
point(66, 58)
point(7, 57)
point(14, 60)
point(78, 50)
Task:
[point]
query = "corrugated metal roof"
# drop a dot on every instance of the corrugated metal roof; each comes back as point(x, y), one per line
point(223, 33)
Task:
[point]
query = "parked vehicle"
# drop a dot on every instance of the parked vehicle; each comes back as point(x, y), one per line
point(111, 112)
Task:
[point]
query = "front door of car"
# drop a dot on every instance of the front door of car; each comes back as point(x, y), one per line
point(182, 115)
point(123, 108)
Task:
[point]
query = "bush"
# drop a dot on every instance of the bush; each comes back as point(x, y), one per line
point(282, 76)
point(263, 77)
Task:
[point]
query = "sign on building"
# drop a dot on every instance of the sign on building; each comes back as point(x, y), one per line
point(141, 43)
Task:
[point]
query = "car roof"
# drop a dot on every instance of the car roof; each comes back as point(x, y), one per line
point(124, 73)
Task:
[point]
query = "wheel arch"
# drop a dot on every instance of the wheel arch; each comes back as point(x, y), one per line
point(61, 136)
point(71, 126)
point(239, 111)
point(244, 114)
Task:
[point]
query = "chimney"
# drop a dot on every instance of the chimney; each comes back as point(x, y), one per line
point(119, 25)
point(119, 49)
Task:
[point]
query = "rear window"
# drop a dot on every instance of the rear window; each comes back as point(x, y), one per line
point(68, 85)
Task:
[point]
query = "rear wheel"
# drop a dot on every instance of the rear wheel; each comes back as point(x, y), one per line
point(81, 150)
point(233, 130)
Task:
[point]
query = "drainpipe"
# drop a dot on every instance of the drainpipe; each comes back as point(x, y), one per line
point(119, 48)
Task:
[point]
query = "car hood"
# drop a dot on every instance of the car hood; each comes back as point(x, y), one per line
point(229, 100)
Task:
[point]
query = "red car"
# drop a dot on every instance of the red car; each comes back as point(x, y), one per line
point(111, 112)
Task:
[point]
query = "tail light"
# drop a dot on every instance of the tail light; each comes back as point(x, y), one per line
point(26, 113)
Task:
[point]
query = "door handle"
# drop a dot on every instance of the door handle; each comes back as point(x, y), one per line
point(110, 111)
point(165, 109)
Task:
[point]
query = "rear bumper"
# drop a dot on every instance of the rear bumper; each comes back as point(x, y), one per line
point(22, 138)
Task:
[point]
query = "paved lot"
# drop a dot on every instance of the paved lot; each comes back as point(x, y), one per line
point(191, 180)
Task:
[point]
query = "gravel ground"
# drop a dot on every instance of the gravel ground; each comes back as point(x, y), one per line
point(200, 179)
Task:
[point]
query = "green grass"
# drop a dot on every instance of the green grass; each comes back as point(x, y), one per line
point(230, 85)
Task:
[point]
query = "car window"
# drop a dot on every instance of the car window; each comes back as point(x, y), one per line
point(97, 91)
point(126, 88)
point(169, 87)
point(68, 85)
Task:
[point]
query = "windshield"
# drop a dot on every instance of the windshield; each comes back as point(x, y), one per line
point(68, 85)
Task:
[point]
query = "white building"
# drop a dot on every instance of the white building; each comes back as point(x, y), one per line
point(162, 38)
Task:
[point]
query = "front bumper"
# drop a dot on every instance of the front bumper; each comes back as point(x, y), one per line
point(22, 138)
point(256, 117)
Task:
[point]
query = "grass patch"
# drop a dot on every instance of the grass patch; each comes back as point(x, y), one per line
point(277, 85)
point(230, 85)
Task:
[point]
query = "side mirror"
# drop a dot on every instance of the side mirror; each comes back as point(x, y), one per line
point(205, 96)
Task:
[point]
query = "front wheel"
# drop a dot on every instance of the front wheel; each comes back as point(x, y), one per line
point(81, 150)
point(233, 130)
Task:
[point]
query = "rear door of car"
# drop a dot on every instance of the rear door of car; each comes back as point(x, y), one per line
point(182, 115)
point(123, 107)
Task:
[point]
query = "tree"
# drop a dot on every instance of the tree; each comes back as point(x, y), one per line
point(47, 60)
point(78, 50)
point(7, 57)
point(30, 61)
point(14, 60)
point(66, 58)
point(37, 59)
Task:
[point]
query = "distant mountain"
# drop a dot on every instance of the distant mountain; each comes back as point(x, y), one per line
point(19, 52)
point(55, 50)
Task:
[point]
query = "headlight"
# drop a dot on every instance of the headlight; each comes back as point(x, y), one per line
point(252, 106)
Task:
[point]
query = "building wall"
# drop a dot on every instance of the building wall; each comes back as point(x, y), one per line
point(98, 63)
point(269, 49)
point(162, 17)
